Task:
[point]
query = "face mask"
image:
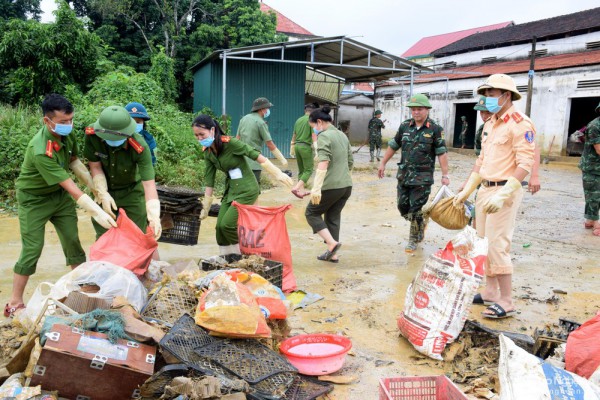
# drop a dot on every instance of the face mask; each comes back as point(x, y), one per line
point(139, 127)
point(316, 131)
point(62, 129)
point(267, 113)
point(491, 103)
point(207, 142)
point(115, 143)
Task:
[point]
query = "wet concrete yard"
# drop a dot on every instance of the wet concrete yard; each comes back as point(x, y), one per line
point(365, 292)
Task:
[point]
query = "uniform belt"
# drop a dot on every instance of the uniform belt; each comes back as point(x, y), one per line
point(487, 183)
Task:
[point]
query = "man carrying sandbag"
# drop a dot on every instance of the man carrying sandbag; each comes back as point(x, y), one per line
point(507, 157)
point(421, 141)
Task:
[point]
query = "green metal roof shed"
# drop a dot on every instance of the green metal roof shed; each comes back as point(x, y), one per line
point(227, 81)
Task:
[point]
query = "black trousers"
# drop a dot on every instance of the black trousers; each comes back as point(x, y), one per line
point(332, 203)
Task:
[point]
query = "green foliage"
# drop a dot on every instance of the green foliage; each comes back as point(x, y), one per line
point(43, 58)
point(20, 9)
point(163, 72)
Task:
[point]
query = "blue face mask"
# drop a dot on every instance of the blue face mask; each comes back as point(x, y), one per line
point(139, 127)
point(62, 129)
point(491, 103)
point(267, 113)
point(207, 142)
point(316, 131)
point(115, 143)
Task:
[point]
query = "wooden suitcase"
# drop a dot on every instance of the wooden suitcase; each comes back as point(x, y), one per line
point(84, 365)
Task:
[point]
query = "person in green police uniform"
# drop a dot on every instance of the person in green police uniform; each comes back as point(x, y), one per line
point(303, 142)
point(421, 140)
point(122, 170)
point(590, 168)
point(253, 130)
point(228, 155)
point(333, 182)
point(45, 192)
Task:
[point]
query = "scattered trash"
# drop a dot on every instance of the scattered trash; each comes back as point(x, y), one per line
point(419, 387)
point(583, 348)
point(339, 379)
point(169, 302)
point(302, 299)
point(316, 354)
point(559, 291)
point(268, 269)
point(179, 214)
point(526, 245)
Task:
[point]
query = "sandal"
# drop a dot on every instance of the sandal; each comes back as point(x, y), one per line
point(329, 254)
point(9, 312)
point(588, 225)
point(596, 232)
point(498, 312)
point(478, 299)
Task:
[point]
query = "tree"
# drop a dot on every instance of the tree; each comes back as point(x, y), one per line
point(42, 58)
point(163, 72)
point(20, 9)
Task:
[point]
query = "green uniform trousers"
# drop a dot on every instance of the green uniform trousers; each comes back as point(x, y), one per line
point(34, 212)
point(374, 142)
point(227, 220)
point(411, 199)
point(304, 158)
point(591, 192)
point(330, 207)
point(132, 200)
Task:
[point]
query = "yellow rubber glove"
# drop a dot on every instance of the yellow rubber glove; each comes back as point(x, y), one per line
point(97, 213)
point(280, 157)
point(293, 149)
point(316, 149)
point(470, 186)
point(103, 197)
point(315, 193)
point(277, 174)
point(84, 176)
point(153, 215)
point(495, 203)
point(206, 203)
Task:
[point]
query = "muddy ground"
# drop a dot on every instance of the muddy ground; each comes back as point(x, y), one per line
point(364, 292)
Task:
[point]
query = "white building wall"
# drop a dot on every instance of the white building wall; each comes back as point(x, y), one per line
point(557, 46)
point(550, 108)
point(359, 117)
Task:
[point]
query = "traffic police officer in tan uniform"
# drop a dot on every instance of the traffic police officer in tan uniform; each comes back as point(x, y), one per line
point(121, 167)
point(507, 157)
point(45, 192)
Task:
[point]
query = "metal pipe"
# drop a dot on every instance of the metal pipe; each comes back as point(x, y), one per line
point(412, 80)
point(224, 86)
point(318, 64)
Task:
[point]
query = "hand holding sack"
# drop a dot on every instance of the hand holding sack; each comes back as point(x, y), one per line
point(102, 196)
point(277, 174)
point(206, 203)
point(315, 193)
point(497, 201)
point(292, 149)
point(153, 215)
point(280, 157)
point(97, 213)
point(474, 181)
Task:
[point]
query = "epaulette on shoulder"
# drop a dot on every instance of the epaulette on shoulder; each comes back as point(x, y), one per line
point(49, 147)
point(136, 145)
point(517, 116)
point(225, 139)
point(89, 130)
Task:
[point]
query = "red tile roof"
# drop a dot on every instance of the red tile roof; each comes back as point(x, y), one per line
point(428, 44)
point(363, 87)
point(520, 66)
point(284, 24)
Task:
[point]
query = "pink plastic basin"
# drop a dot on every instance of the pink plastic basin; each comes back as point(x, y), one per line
point(316, 354)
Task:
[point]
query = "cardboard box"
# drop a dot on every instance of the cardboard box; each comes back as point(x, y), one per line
point(84, 365)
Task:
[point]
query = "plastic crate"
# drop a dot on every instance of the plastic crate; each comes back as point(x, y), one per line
point(419, 388)
point(273, 270)
point(186, 228)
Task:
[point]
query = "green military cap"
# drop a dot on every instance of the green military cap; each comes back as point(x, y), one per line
point(480, 106)
point(419, 100)
point(377, 112)
point(463, 118)
point(114, 123)
point(260, 103)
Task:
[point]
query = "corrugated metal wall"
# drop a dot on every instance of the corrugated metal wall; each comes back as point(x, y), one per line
point(283, 84)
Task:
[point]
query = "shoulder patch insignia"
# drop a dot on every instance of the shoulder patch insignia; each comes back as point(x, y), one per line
point(506, 118)
point(49, 147)
point(529, 136)
point(427, 135)
point(56, 146)
point(428, 124)
point(136, 145)
point(225, 139)
point(517, 117)
point(89, 130)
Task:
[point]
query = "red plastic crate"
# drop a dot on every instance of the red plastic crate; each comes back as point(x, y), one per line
point(419, 388)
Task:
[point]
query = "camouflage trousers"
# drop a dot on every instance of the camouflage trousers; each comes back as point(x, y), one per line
point(411, 199)
point(591, 192)
point(374, 142)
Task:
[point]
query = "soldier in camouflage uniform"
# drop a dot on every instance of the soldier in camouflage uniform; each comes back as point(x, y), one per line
point(421, 140)
point(375, 126)
point(463, 132)
point(485, 115)
point(590, 167)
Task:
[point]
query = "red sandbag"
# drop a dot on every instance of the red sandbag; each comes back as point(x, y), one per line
point(126, 246)
point(262, 231)
point(583, 348)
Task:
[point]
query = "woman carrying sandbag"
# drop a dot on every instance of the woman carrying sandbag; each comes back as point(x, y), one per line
point(332, 185)
point(226, 154)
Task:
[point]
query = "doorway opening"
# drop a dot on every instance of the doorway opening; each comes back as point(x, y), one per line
point(582, 112)
point(466, 110)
